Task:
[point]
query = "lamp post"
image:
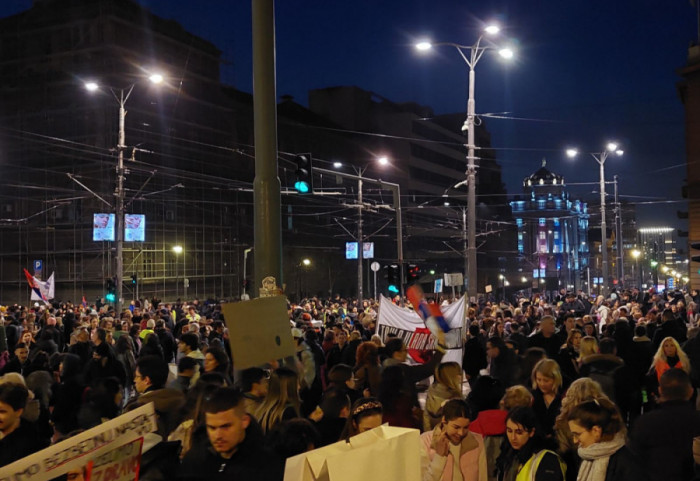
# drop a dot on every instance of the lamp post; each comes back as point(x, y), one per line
point(121, 95)
point(177, 250)
point(360, 206)
point(601, 157)
point(474, 55)
point(637, 274)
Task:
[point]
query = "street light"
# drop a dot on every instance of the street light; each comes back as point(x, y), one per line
point(177, 250)
point(601, 157)
point(475, 52)
point(121, 95)
point(636, 253)
point(383, 160)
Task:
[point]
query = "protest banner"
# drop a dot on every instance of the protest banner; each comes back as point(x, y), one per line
point(259, 331)
point(120, 464)
point(408, 325)
point(385, 452)
point(76, 452)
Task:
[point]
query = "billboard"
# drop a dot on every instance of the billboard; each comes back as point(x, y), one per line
point(134, 228)
point(103, 227)
point(367, 250)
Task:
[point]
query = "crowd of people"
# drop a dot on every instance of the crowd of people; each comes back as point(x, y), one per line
point(558, 388)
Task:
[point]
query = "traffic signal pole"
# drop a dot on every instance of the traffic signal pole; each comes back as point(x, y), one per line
point(266, 185)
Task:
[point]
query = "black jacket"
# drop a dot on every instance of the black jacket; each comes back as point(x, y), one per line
point(551, 345)
point(663, 440)
point(625, 466)
point(20, 443)
point(474, 359)
point(251, 461)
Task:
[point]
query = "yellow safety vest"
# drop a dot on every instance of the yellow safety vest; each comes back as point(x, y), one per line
point(529, 470)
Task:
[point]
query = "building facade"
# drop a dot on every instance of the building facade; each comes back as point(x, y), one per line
point(552, 233)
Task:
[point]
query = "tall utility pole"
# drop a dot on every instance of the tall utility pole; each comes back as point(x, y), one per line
point(471, 54)
point(360, 244)
point(612, 147)
point(266, 185)
point(396, 192)
point(618, 234)
point(119, 195)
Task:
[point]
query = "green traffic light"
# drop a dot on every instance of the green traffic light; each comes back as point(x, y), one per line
point(111, 297)
point(301, 186)
point(394, 289)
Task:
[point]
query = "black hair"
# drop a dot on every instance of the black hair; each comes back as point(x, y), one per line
point(362, 408)
point(294, 436)
point(223, 399)
point(607, 345)
point(675, 385)
point(221, 358)
point(525, 417)
point(474, 330)
point(599, 412)
point(250, 376)
point(191, 339)
point(155, 368)
point(392, 346)
point(13, 394)
point(333, 402)
point(640, 330)
point(186, 363)
point(340, 373)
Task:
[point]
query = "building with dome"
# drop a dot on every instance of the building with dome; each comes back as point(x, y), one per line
point(552, 228)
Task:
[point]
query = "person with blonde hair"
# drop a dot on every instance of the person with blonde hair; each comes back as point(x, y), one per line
point(516, 396)
point(282, 400)
point(669, 355)
point(589, 346)
point(580, 391)
point(546, 383)
point(447, 385)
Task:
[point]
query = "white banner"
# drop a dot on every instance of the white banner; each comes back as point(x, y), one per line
point(408, 325)
point(75, 452)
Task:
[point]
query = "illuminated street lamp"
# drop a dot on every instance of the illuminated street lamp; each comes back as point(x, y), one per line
point(121, 95)
point(601, 157)
point(471, 54)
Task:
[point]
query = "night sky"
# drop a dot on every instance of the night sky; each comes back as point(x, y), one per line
point(585, 72)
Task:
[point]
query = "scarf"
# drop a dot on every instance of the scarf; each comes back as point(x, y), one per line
point(595, 458)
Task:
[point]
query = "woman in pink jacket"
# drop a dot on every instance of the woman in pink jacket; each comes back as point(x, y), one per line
point(451, 446)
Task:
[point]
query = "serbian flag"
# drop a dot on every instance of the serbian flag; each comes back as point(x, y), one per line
point(84, 302)
point(34, 285)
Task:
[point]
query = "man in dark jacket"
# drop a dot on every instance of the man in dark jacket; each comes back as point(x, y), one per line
point(663, 438)
point(167, 341)
point(546, 338)
point(233, 448)
point(504, 362)
point(397, 354)
point(19, 437)
point(474, 359)
point(670, 327)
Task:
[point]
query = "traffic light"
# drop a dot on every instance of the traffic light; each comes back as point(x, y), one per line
point(111, 290)
point(134, 279)
point(413, 273)
point(393, 278)
point(303, 183)
point(695, 256)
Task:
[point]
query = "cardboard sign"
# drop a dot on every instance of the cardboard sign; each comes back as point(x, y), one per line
point(77, 452)
point(382, 453)
point(259, 331)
